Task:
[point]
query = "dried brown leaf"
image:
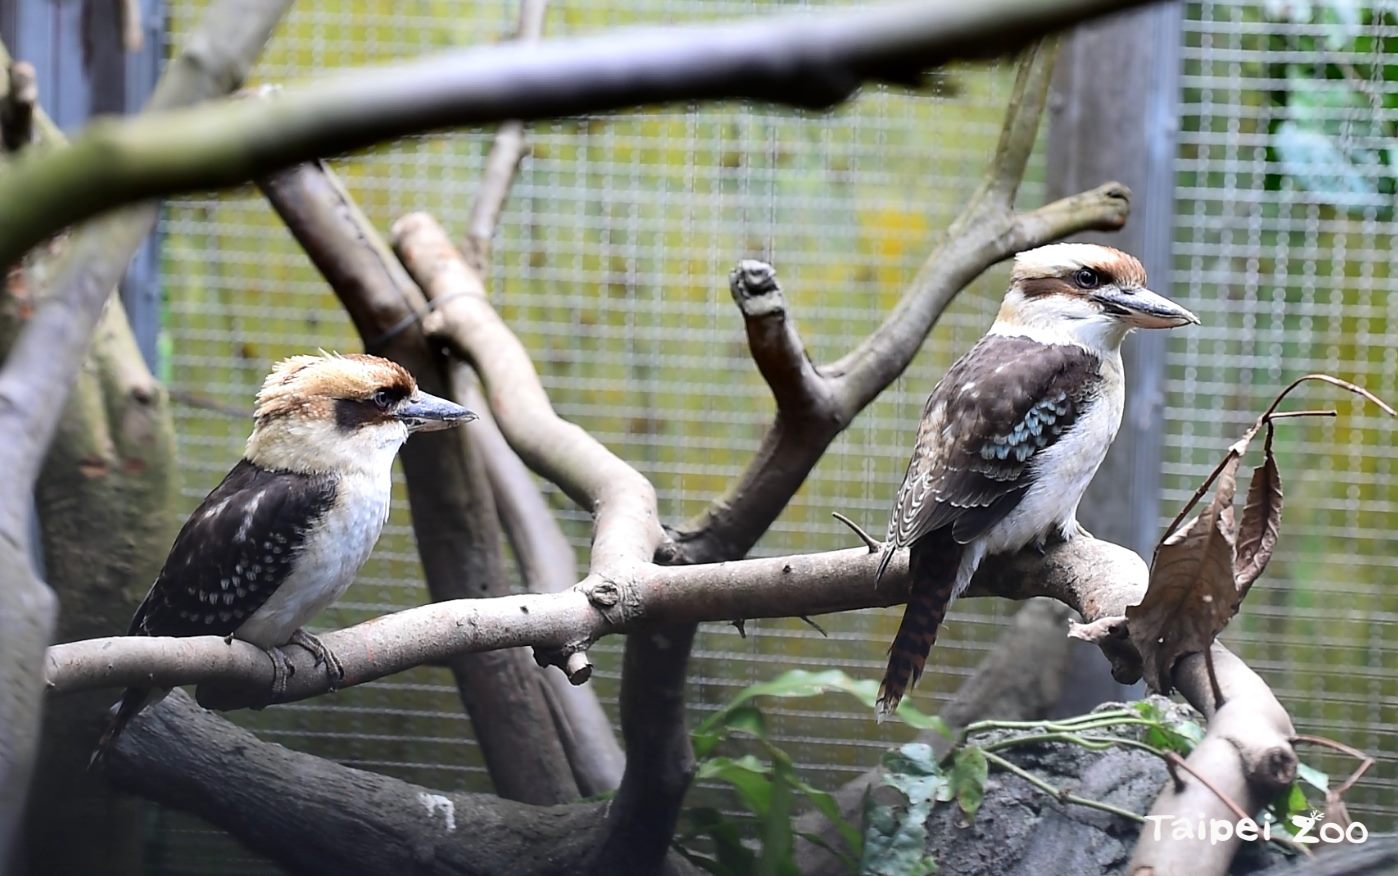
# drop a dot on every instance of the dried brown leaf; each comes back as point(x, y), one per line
point(1202, 570)
point(1260, 525)
point(1192, 594)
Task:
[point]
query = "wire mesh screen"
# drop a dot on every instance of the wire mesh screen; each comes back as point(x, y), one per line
point(1283, 244)
point(611, 264)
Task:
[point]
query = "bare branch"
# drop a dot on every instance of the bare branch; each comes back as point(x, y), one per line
point(1092, 576)
point(626, 535)
point(453, 511)
point(621, 500)
point(313, 815)
point(801, 59)
point(506, 153)
point(800, 392)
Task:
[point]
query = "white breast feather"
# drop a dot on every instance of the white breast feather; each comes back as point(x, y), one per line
point(328, 562)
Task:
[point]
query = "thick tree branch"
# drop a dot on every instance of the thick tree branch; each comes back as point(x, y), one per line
point(626, 536)
point(315, 816)
point(547, 565)
point(453, 511)
point(1091, 576)
point(801, 59)
point(39, 372)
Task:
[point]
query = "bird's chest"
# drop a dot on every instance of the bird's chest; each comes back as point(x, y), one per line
point(330, 557)
point(1062, 474)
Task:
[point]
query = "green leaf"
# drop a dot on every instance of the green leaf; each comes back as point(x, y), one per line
point(913, 769)
point(969, 772)
point(777, 845)
point(895, 838)
point(1313, 777)
point(895, 841)
point(732, 856)
point(1291, 801)
point(826, 805)
point(801, 683)
point(749, 777)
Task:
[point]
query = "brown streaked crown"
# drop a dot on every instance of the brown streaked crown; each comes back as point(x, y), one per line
point(311, 385)
point(1049, 269)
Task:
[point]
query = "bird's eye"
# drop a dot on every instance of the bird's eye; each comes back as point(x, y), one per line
point(383, 399)
point(1086, 278)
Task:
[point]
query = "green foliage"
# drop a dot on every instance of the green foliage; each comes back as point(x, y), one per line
point(1333, 138)
point(895, 837)
point(766, 787)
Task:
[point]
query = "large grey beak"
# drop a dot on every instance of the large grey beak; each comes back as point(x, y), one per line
point(427, 413)
point(1143, 308)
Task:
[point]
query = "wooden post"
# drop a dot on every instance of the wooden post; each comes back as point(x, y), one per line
point(1113, 115)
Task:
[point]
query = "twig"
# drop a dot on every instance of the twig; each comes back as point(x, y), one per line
point(1060, 794)
point(506, 152)
point(1365, 761)
point(1213, 679)
point(873, 544)
point(1176, 762)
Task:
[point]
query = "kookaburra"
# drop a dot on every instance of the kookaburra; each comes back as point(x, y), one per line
point(286, 531)
point(1015, 430)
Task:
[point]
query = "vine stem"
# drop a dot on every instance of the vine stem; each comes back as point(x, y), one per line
point(1060, 794)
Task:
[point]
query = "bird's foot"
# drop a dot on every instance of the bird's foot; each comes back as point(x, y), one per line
point(282, 670)
point(334, 669)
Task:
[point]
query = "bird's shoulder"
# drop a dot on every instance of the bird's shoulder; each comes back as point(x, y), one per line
point(234, 550)
point(1006, 400)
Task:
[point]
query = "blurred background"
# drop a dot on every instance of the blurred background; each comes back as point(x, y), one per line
point(1261, 148)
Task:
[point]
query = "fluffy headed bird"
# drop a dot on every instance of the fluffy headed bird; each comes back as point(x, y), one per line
point(1015, 430)
point(284, 534)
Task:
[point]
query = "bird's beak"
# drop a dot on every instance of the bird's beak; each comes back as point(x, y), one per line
point(427, 413)
point(1142, 308)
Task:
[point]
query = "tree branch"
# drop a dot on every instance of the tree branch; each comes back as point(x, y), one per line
point(453, 510)
point(1091, 576)
point(506, 152)
point(801, 59)
point(626, 535)
point(40, 369)
point(312, 815)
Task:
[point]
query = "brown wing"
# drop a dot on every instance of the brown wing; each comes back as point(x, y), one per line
point(234, 550)
point(1007, 400)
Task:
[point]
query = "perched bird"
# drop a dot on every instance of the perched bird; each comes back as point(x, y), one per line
point(1015, 430)
point(286, 531)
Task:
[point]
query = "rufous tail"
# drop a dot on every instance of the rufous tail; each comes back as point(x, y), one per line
point(132, 701)
point(933, 571)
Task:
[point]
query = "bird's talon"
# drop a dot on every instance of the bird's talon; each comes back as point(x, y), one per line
point(334, 669)
point(282, 670)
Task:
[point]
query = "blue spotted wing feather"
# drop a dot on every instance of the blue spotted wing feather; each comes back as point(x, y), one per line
point(1000, 406)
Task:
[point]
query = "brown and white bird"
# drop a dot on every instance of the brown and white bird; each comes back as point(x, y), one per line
point(1015, 430)
point(284, 534)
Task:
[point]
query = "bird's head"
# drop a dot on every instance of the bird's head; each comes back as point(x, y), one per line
point(1083, 294)
point(341, 413)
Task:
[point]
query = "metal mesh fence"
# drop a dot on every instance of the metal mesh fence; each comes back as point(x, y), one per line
point(1283, 244)
point(611, 266)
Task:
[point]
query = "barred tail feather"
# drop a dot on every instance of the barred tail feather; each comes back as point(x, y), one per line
point(933, 569)
point(132, 701)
